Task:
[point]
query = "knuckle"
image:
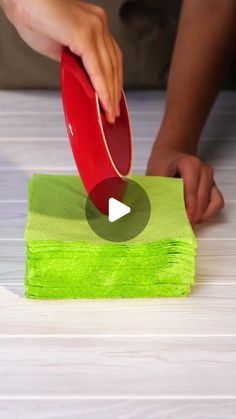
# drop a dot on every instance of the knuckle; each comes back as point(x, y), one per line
point(101, 13)
point(210, 171)
point(189, 162)
point(111, 74)
point(220, 203)
point(196, 162)
point(192, 160)
point(83, 38)
point(95, 23)
point(202, 197)
point(102, 90)
point(120, 54)
point(101, 86)
point(18, 12)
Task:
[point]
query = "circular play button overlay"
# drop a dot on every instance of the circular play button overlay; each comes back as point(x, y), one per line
point(118, 210)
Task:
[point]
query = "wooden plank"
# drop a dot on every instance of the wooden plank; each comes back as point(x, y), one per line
point(190, 367)
point(50, 101)
point(12, 220)
point(40, 114)
point(226, 181)
point(221, 227)
point(216, 261)
point(13, 183)
point(221, 154)
point(210, 290)
point(193, 316)
point(50, 154)
point(181, 367)
point(34, 125)
point(45, 154)
point(116, 408)
point(145, 125)
point(12, 261)
point(26, 101)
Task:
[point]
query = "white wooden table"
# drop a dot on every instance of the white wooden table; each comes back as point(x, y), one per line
point(140, 359)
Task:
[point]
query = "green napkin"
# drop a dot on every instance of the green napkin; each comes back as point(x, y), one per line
point(66, 259)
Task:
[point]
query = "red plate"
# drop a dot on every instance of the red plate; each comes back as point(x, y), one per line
point(101, 150)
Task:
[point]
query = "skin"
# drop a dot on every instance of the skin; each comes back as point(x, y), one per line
point(48, 25)
point(204, 45)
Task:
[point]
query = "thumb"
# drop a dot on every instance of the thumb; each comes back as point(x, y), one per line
point(190, 202)
point(158, 168)
point(190, 176)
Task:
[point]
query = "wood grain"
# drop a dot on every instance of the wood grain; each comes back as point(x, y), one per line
point(38, 155)
point(13, 183)
point(151, 358)
point(206, 290)
point(118, 367)
point(191, 316)
point(119, 409)
point(26, 101)
point(39, 116)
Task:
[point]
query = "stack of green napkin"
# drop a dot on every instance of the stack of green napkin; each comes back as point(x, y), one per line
point(66, 259)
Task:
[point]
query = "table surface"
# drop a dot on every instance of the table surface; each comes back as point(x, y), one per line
point(146, 358)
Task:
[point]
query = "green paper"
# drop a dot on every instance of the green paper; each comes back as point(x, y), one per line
point(66, 259)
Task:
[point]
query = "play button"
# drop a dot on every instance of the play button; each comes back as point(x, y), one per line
point(118, 211)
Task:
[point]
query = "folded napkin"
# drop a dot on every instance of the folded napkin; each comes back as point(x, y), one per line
point(66, 259)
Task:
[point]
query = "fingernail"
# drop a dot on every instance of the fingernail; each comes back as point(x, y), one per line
point(190, 210)
point(191, 206)
point(111, 118)
point(109, 108)
point(190, 217)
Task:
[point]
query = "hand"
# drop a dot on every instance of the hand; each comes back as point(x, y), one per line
point(203, 199)
point(48, 25)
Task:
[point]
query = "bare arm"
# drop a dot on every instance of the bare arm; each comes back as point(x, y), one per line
point(48, 25)
point(204, 45)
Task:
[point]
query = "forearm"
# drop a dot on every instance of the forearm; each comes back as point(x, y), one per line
point(5, 4)
point(204, 45)
point(49, 25)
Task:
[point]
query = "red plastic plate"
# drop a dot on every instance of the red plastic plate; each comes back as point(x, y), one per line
point(101, 150)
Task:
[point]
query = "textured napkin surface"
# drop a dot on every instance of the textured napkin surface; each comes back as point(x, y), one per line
point(66, 259)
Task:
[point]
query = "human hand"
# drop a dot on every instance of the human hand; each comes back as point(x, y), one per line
point(203, 199)
point(48, 25)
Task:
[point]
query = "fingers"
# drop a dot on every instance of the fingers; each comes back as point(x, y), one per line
point(118, 75)
point(95, 70)
point(40, 43)
point(107, 75)
point(113, 66)
point(202, 197)
point(189, 170)
point(49, 25)
point(216, 203)
point(204, 191)
point(110, 65)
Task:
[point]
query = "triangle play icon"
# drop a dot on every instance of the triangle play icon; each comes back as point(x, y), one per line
point(117, 210)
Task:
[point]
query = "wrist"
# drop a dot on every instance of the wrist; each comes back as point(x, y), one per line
point(168, 140)
point(9, 7)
